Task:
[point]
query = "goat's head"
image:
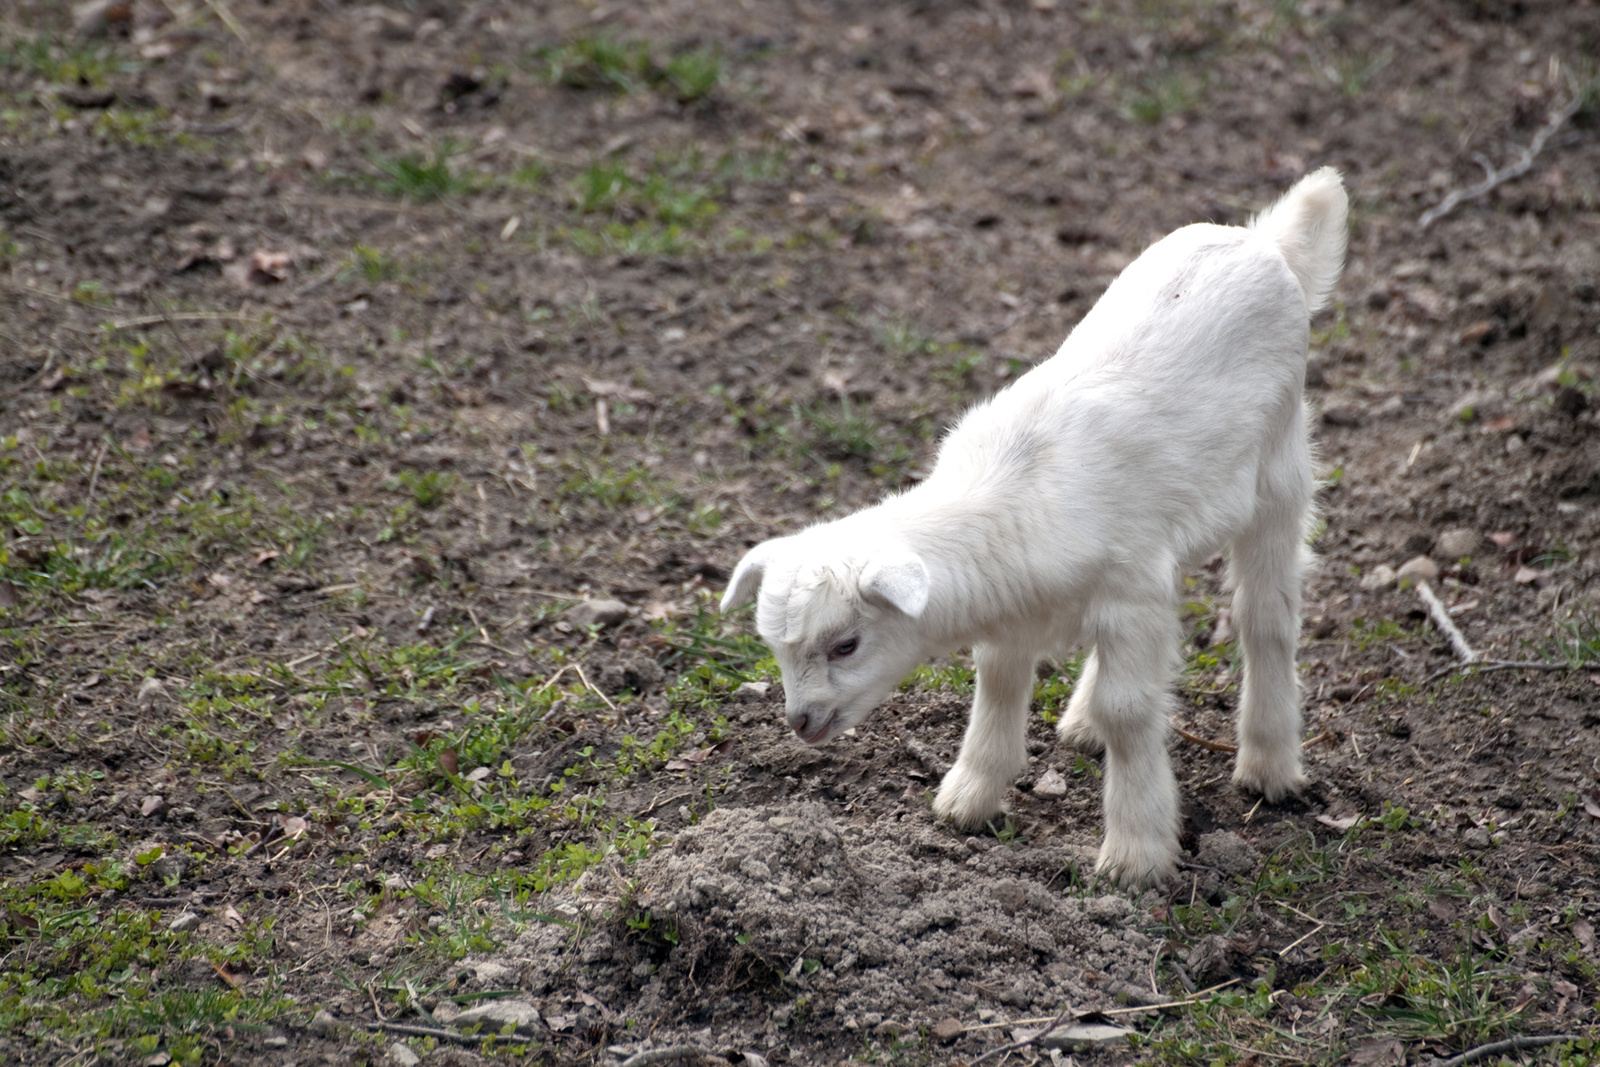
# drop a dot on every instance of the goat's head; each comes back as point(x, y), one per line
point(844, 621)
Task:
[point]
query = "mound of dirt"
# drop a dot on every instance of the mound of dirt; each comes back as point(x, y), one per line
point(883, 927)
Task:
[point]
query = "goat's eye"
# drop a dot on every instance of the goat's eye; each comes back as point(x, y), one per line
point(841, 649)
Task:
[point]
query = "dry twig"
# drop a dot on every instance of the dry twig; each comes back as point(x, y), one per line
point(1514, 1044)
point(1445, 624)
point(664, 1055)
point(1209, 746)
point(1495, 178)
point(1049, 1028)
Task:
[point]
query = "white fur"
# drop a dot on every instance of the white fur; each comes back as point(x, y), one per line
point(1063, 511)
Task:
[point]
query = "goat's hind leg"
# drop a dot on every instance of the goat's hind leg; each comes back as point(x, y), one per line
point(994, 750)
point(1267, 567)
point(1076, 727)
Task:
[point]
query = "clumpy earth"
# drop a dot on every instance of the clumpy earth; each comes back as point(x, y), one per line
point(386, 391)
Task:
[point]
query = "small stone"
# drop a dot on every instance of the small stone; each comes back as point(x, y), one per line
point(1418, 568)
point(1085, 1035)
point(986, 1015)
point(1050, 784)
point(750, 692)
point(323, 1024)
point(275, 1041)
point(487, 973)
point(1228, 852)
point(153, 805)
point(1476, 837)
point(597, 613)
point(779, 822)
point(1378, 578)
point(401, 1054)
point(946, 1031)
point(184, 922)
point(150, 692)
point(1455, 543)
point(494, 1015)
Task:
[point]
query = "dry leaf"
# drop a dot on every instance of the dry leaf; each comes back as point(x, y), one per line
point(1338, 822)
point(152, 804)
point(1585, 935)
point(294, 826)
point(448, 762)
point(1378, 1052)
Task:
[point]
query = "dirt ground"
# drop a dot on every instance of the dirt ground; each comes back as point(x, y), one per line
point(387, 390)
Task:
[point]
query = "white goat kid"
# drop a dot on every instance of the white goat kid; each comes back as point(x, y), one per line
point(1062, 513)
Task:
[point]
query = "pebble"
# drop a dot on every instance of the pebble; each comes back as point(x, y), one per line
point(1458, 542)
point(275, 1041)
point(1050, 784)
point(323, 1024)
point(185, 922)
point(401, 1053)
point(1380, 577)
point(946, 1031)
point(150, 692)
point(597, 613)
point(750, 692)
point(1420, 568)
point(494, 1015)
point(1084, 1035)
point(1476, 837)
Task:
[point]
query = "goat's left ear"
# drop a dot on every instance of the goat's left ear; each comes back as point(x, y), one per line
point(899, 578)
point(746, 580)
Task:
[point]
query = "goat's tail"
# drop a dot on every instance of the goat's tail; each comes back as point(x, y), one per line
point(1308, 226)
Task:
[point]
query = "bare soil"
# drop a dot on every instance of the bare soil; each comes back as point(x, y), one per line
point(279, 416)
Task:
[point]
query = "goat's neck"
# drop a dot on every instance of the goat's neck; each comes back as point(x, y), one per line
point(980, 562)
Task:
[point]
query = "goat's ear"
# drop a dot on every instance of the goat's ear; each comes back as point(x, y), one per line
point(746, 580)
point(899, 578)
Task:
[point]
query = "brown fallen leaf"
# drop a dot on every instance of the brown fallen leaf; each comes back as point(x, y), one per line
point(1338, 822)
point(448, 762)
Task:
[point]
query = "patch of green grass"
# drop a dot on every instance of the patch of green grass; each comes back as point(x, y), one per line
point(599, 61)
point(422, 178)
point(64, 62)
point(1352, 72)
point(428, 489)
point(1368, 633)
point(374, 264)
point(693, 75)
point(603, 484)
point(844, 432)
point(1166, 94)
point(605, 61)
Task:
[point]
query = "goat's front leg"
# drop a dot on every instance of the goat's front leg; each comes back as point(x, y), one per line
point(995, 750)
point(1127, 708)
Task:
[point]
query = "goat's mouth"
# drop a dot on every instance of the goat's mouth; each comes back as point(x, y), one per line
point(820, 733)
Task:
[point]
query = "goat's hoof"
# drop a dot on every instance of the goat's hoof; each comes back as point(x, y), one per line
point(1078, 734)
point(1137, 864)
point(968, 801)
point(1274, 780)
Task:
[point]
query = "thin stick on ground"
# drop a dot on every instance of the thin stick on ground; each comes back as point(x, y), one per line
point(1440, 615)
point(1514, 1044)
point(1495, 178)
point(1209, 746)
point(1489, 666)
point(452, 1036)
point(94, 477)
point(664, 1055)
point(1027, 1042)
